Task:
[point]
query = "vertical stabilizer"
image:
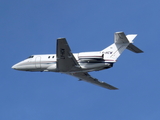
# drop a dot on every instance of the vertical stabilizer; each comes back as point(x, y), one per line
point(121, 42)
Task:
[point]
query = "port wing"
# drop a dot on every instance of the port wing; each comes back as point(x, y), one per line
point(66, 62)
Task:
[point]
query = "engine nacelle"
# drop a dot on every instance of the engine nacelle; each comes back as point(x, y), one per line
point(90, 55)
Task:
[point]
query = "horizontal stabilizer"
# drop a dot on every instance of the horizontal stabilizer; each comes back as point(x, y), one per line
point(131, 37)
point(133, 48)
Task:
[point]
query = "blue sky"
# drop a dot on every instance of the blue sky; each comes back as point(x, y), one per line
point(32, 26)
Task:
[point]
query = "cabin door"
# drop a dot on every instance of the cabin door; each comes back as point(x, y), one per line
point(38, 62)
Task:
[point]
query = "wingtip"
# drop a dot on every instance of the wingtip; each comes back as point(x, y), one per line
point(114, 88)
point(119, 32)
point(61, 38)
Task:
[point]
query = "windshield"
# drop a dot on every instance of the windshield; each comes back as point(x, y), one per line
point(31, 56)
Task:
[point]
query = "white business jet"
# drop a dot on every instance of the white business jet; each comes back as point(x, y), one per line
point(79, 64)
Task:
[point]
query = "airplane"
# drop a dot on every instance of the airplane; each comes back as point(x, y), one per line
point(79, 64)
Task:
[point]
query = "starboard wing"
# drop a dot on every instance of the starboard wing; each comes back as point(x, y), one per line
point(84, 76)
point(66, 62)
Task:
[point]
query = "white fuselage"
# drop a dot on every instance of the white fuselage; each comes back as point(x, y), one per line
point(88, 61)
point(79, 64)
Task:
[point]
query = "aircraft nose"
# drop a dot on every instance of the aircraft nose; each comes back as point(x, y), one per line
point(19, 66)
point(14, 67)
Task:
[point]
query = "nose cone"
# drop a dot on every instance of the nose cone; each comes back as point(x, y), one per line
point(14, 67)
point(22, 66)
point(17, 66)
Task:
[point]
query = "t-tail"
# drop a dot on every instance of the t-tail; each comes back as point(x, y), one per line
point(121, 42)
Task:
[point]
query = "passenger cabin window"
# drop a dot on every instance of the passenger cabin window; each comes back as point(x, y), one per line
point(52, 56)
point(31, 56)
point(48, 56)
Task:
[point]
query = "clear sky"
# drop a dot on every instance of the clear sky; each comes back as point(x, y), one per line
point(32, 26)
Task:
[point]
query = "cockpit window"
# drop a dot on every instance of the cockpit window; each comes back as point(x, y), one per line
point(31, 56)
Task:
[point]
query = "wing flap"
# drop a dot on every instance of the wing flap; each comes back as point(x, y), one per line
point(86, 77)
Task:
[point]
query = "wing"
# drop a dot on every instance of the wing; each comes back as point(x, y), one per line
point(86, 77)
point(66, 62)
